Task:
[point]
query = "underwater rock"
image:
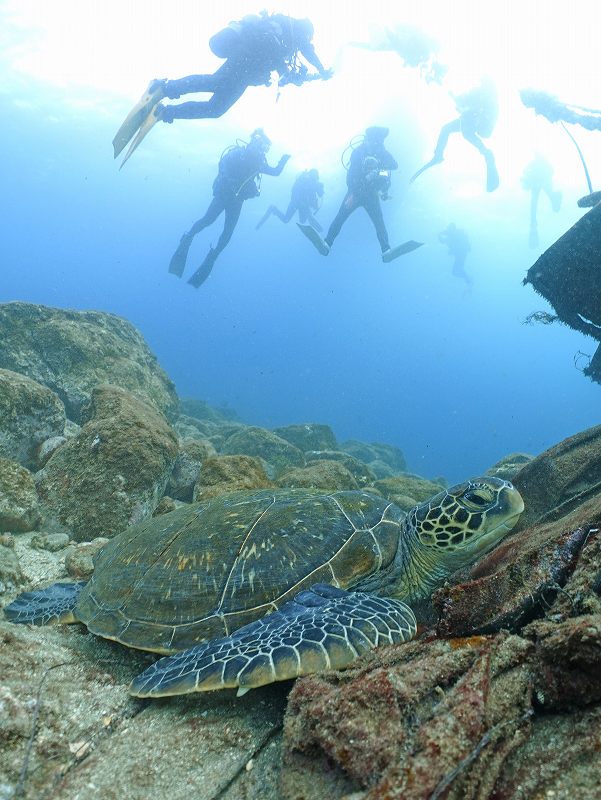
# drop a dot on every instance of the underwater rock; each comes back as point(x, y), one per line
point(360, 471)
point(166, 504)
point(192, 452)
point(222, 474)
point(509, 466)
point(19, 505)
point(29, 414)
point(308, 437)
point(47, 448)
point(114, 472)
point(11, 575)
point(329, 475)
point(79, 561)
point(561, 478)
point(407, 490)
point(200, 410)
point(261, 443)
point(376, 451)
point(53, 542)
point(71, 352)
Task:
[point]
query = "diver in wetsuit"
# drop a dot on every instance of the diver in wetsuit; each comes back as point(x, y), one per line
point(536, 178)
point(240, 168)
point(478, 111)
point(305, 198)
point(458, 244)
point(253, 47)
point(368, 180)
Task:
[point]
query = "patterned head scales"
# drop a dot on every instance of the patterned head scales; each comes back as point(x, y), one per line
point(463, 522)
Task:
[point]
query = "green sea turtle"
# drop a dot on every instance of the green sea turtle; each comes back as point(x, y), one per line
point(253, 587)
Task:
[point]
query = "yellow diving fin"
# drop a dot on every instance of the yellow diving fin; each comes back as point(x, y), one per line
point(146, 126)
point(138, 115)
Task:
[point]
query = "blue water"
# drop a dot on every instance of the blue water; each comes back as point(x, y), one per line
point(402, 353)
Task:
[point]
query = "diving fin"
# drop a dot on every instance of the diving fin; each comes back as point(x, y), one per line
point(138, 115)
point(431, 163)
point(145, 128)
point(203, 272)
point(400, 250)
point(177, 264)
point(313, 236)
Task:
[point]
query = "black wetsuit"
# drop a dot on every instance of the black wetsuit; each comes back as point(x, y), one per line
point(364, 187)
point(255, 47)
point(236, 182)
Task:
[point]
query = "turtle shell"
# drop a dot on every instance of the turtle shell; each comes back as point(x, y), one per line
point(204, 570)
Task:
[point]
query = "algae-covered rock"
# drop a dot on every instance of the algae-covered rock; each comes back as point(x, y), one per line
point(222, 474)
point(192, 452)
point(200, 410)
point(261, 443)
point(71, 352)
point(29, 414)
point(402, 489)
point(79, 561)
point(11, 575)
point(560, 478)
point(509, 466)
point(376, 451)
point(114, 472)
point(360, 471)
point(19, 506)
point(310, 436)
point(330, 475)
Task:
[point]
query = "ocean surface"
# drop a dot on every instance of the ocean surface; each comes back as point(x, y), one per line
point(404, 353)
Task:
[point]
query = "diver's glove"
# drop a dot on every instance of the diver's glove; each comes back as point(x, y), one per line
point(326, 74)
point(284, 160)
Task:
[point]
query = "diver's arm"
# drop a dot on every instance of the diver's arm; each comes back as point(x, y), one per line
point(277, 170)
point(308, 53)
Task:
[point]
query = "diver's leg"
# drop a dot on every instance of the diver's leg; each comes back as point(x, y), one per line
point(178, 260)
point(232, 213)
point(346, 209)
point(443, 138)
point(492, 176)
point(555, 197)
point(374, 209)
point(227, 85)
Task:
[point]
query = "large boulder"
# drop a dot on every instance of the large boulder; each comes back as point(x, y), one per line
point(560, 478)
point(114, 472)
point(360, 471)
point(310, 436)
point(222, 474)
point(261, 443)
point(19, 506)
point(330, 475)
point(376, 451)
point(29, 414)
point(407, 490)
point(73, 351)
point(192, 452)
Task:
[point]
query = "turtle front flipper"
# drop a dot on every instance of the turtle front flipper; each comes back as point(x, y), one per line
point(50, 606)
point(322, 628)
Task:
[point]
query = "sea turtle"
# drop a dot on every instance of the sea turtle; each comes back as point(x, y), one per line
point(253, 587)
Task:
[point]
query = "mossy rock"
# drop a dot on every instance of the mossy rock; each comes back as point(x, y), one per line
point(261, 443)
point(329, 475)
point(222, 474)
point(310, 436)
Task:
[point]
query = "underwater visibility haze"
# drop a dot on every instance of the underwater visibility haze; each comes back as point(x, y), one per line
point(412, 353)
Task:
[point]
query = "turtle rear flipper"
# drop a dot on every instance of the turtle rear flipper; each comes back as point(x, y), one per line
point(322, 628)
point(50, 606)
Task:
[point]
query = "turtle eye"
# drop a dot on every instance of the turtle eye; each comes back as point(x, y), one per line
point(477, 497)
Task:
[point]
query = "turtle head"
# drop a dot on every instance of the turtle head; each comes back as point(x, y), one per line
point(457, 526)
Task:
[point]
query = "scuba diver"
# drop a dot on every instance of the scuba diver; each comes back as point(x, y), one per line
point(478, 111)
point(555, 111)
point(368, 180)
point(238, 179)
point(458, 244)
point(253, 47)
point(305, 198)
point(537, 177)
